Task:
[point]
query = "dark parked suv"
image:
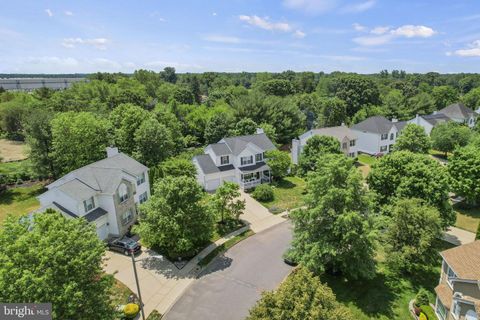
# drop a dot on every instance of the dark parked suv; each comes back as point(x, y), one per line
point(124, 245)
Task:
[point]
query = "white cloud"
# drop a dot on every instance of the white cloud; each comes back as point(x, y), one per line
point(99, 43)
point(264, 23)
point(222, 39)
point(358, 7)
point(311, 6)
point(68, 13)
point(411, 31)
point(299, 34)
point(384, 35)
point(473, 50)
point(380, 30)
point(359, 27)
point(49, 12)
point(214, 14)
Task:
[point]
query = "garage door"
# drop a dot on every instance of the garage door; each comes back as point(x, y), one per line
point(102, 231)
point(212, 184)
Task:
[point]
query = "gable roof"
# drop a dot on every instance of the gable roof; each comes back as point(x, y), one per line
point(400, 125)
point(435, 118)
point(376, 124)
point(339, 132)
point(464, 260)
point(101, 176)
point(457, 110)
point(238, 144)
point(207, 165)
point(220, 148)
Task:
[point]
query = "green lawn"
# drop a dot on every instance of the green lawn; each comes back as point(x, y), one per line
point(366, 159)
point(21, 200)
point(386, 296)
point(467, 219)
point(289, 193)
point(13, 168)
point(120, 293)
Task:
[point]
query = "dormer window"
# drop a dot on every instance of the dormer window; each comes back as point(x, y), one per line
point(224, 160)
point(258, 157)
point(123, 192)
point(141, 179)
point(246, 160)
point(89, 204)
point(392, 136)
point(384, 136)
point(450, 276)
point(352, 143)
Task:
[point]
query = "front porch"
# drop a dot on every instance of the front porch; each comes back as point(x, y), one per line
point(253, 179)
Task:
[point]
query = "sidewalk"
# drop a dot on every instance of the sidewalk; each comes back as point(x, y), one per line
point(458, 236)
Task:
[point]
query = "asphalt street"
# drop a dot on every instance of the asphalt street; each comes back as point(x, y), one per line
point(233, 282)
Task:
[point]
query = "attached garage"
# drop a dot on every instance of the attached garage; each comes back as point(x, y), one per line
point(102, 231)
point(213, 184)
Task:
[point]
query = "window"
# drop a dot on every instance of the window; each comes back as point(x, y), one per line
point(396, 135)
point(224, 160)
point(383, 148)
point(89, 204)
point(456, 309)
point(351, 154)
point(246, 160)
point(390, 147)
point(123, 192)
point(450, 276)
point(247, 177)
point(392, 136)
point(344, 145)
point(143, 197)
point(127, 216)
point(440, 309)
point(384, 136)
point(140, 179)
point(258, 157)
point(352, 143)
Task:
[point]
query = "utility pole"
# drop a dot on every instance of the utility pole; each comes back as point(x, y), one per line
point(138, 285)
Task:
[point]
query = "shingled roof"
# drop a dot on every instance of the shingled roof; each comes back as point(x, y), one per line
point(457, 110)
point(339, 132)
point(376, 124)
point(464, 260)
point(238, 144)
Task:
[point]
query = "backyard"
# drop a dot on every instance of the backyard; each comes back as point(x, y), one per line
point(467, 219)
point(20, 200)
point(12, 150)
point(289, 193)
point(387, 295)
point(365, 163)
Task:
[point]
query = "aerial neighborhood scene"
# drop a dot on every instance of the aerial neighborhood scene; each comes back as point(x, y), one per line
point(240, 160)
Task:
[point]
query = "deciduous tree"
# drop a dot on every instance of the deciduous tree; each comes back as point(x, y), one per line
point(316, 147)
point(225, 201)
point(450, 135)
point(413, 138)
point(464, 169)
point(279, 162)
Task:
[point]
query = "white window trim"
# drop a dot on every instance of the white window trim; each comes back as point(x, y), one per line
point(221, 162)
point(85, 204)
point(250, 158)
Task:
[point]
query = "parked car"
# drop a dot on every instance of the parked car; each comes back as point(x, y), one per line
point(124, 245)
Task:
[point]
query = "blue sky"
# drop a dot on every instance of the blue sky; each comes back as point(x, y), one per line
point(239, 35)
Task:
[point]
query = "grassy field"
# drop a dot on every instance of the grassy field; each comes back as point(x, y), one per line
point(21, 200)
point(14, 168)
point(386, 296)
point(289, 193)
point(12, 150)
point(364, 163)
point(467, 219)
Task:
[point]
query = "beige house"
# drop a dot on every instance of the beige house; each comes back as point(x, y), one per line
point(458, 293)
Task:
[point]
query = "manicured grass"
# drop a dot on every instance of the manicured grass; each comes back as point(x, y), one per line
point(21, 200)
point(366, 159)
point(429, 312)
point(386, 296)
point(289, 193)
point(467, 219)
point(120, 293)
point(224, 247)
point(12, 168)
point(13, 150)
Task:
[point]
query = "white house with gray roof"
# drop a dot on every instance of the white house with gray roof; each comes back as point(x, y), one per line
point(236, 159)
point(346, 137)
point(460, 113)
point(377, 135)
point(429, 121)
point(106, 193)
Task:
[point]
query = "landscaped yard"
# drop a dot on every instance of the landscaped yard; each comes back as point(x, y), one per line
point(120, 293)
point(386, 296)
point(467, 219)
point(364, 163)
point(21, 200)
point(289, 193)
point(12, 150)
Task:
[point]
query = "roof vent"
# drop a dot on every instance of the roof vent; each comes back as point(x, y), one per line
point(111, 151)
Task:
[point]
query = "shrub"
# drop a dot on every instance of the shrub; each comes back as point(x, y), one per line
point(423, 316)
point(131, 310)
point(421, 299)
point(154, 315)
point(478, 232)
point(263, 192)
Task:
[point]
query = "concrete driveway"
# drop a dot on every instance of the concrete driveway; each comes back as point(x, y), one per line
point(256, 215)
point(160, 281)
point(233, 282)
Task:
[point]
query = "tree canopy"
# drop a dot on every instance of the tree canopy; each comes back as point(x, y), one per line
point(450, 135)
point(413, 138)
